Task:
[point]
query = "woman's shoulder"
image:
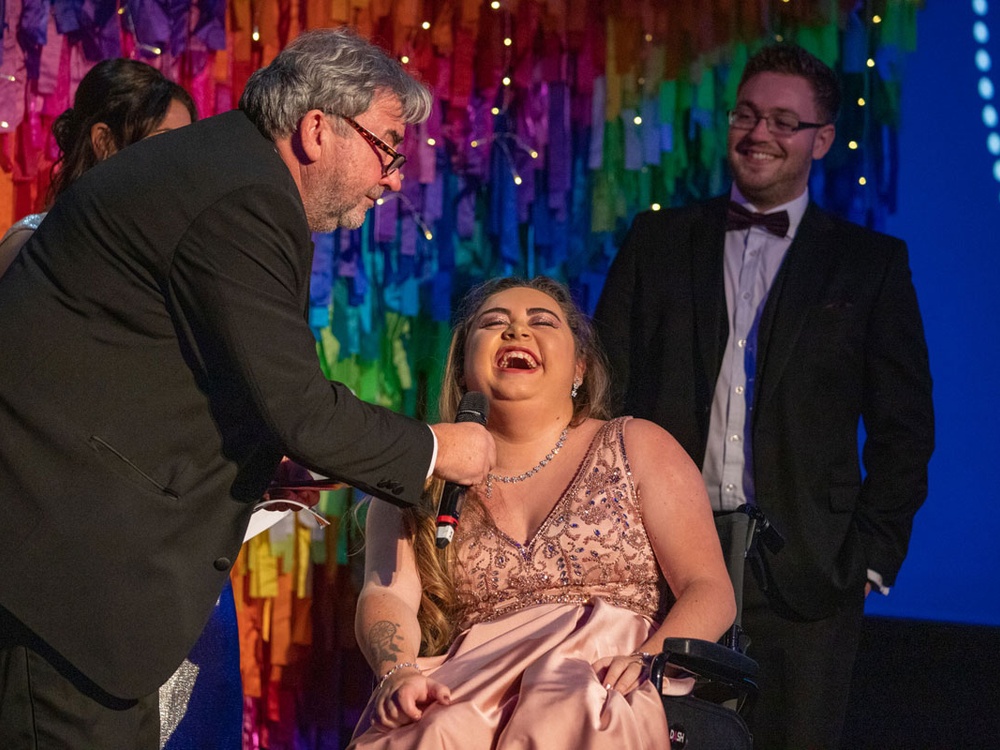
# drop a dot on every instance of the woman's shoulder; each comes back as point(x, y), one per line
point(632, 429)
point(647, 442)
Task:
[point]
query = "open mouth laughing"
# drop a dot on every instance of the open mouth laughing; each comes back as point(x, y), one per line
point(516, 359)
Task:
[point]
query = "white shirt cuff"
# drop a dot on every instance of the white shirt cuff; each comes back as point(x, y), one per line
point(875, 578)
point(434, 454)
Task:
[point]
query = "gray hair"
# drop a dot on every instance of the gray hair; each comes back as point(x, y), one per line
point(333, 70)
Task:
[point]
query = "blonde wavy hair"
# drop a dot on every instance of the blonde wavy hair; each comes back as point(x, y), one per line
point(440, 609)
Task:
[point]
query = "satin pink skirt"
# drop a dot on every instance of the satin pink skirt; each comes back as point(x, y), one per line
point(526, 681)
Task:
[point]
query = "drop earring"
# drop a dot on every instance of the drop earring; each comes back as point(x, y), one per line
point(576, 388)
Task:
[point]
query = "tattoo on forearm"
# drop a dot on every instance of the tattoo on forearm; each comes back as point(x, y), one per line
point(382, 639)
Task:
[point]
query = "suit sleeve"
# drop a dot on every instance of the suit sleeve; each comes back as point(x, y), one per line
point(613, 315)
point(898, 416)
point(239, 281)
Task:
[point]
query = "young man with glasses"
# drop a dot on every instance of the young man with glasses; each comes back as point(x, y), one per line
point(760, 331)
point(165, 366)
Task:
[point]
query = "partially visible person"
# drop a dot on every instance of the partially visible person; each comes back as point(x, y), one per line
point(591, 543)
point(118, 102)
point(164, 367)
point(762, 331)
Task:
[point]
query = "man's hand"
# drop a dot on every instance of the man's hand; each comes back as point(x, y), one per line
point(466, 452)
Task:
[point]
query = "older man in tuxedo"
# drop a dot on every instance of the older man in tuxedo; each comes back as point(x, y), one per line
point(158, 366)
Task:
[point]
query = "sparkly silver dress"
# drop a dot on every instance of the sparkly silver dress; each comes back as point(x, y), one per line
point(201, 705)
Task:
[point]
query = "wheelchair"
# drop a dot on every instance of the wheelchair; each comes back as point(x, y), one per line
point(711, 716)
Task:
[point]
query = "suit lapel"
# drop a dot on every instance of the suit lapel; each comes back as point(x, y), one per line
point(707, 251)
point(796, 288)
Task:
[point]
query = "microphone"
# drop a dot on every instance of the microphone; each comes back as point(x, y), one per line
point(472, 408)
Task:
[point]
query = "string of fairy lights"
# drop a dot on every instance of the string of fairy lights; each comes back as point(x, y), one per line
point(517, 151)
point(512, 145)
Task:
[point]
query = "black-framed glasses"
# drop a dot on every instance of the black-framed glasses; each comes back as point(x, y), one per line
point(779, 123)
point(396, 159)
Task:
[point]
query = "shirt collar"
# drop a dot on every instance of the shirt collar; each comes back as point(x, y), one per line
point(796, 208)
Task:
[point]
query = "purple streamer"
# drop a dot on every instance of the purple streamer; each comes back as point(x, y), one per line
point(650, 111)
point(386, 218)
point(560, 138)
point(633, 141)
point(595, 158)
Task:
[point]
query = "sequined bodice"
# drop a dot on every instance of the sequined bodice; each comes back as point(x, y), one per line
point(592, 544)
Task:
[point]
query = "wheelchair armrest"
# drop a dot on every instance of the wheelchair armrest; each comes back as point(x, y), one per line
point(708, 660)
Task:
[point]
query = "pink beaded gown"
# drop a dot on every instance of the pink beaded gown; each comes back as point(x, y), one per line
point(586, 586)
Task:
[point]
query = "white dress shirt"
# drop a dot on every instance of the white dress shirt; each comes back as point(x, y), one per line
point(752, 259)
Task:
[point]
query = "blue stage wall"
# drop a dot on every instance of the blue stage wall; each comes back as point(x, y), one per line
point(949, 213)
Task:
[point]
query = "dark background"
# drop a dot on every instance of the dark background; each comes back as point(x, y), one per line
point(926, 673)
point(949, 214)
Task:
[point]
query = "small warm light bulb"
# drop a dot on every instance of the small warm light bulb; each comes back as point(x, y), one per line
point(862, 181)
point(425, 25)
point(649, 37)
point(876, 19)
point(637, 120)
point(533, 154)
point(474, 144)
point(156, 50)
point(870, 63)
point(404, 59)
point(4, 124)
point(12, 79)
point(495, 5)
point(121, 11)
point(428, 235)
point(656, 207)
point(379, 201)
point(506, 81)
point(431, 142)
point(495, 111)
point(861, 101)
point(779, 38)
point(852, 145)
point(517, 179)
point(255, 35)
point(507, 41)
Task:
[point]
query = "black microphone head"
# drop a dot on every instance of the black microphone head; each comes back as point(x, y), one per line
point(474, 407)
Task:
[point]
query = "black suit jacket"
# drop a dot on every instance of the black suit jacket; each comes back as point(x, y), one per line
point(157, 365)
point(840, 341)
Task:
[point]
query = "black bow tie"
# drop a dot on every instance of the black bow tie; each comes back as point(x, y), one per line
point(740, 218)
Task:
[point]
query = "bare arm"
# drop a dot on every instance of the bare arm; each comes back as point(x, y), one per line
point(386, 623)
point(678, 519)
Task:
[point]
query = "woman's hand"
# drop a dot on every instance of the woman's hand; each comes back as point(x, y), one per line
point(621, 673)
point(404, 697)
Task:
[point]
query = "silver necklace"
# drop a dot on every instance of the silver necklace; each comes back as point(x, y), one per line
point(490, 478)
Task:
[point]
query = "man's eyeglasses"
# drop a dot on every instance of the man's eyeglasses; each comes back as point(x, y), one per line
point(396, 159)
point(780, 124)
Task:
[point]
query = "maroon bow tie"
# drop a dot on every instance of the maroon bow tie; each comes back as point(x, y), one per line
point(740, 218)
